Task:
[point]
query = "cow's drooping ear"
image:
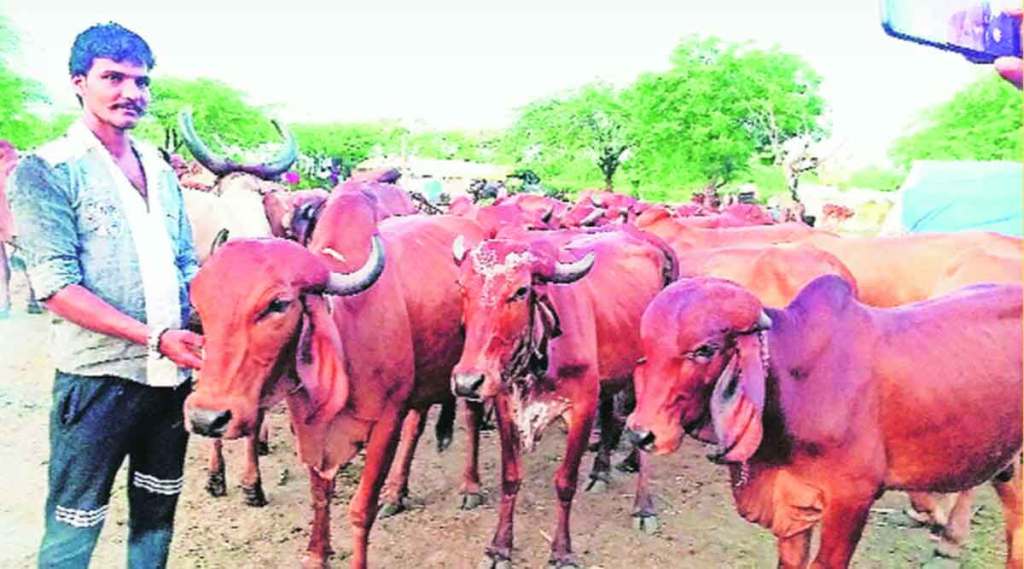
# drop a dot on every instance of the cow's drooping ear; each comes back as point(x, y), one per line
point(318, 361)
point(737, 402)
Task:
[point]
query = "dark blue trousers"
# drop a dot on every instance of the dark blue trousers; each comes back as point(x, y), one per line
point(95, 423)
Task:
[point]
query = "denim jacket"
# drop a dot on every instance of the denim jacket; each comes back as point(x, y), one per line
point(72, 229)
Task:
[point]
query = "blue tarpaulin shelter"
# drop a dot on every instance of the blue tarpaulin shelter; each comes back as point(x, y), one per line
point(963, 195)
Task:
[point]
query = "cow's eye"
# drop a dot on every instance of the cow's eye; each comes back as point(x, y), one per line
point(520, 294)
point(276, 306)
point(703, 353)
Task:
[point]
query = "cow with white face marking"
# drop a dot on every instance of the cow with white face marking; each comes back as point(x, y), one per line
point(552, 324)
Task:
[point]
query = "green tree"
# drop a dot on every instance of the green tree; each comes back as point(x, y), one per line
point(450, 145)
point(981, 122)
point(581, 138)
point(349, 143)
point(719, 106)
point(222, 117)
point(21, 98)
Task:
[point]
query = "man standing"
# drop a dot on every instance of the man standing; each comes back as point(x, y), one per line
point(8, 160)
point(103, 231)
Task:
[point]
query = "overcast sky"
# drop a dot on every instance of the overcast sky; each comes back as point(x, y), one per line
point(471, 64)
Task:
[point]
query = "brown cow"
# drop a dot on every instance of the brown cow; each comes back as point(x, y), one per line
point(233, 203)
point(543, 342)
point(679, 236)
point(897, 270)
point(820, 407)
point(774, 273)
point(349, 367)
point(892, 271)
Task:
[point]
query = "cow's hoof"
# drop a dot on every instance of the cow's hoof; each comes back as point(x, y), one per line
point(598, 484)
point(492, 563)
point(470, 500)
point(262, 448)
point(254, 496)
point(920, 518)
point(948, 549)
point(566, 562)
point(443, 443)
point(392, 508)
point(34, 308)
point(215, 485)
point(314, 561)
point(629, 465)
point(646, 524)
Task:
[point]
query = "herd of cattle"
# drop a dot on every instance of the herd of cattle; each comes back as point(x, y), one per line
point(824, 370)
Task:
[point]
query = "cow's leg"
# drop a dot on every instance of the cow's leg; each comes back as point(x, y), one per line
point(927, 509)
point(263, 444)
point(321, 489)
point(469, 493)
point(581, 420)
point(396, 489)
point(445, 426)
point(1009, 487)
point(611, 432)
point(252, 482)
point(842, 524)
point(33, 303)
point(499, 552)
point(215, 482)
point(958, 527)
point(794, 550)
point(645, 518)
point(380, 452)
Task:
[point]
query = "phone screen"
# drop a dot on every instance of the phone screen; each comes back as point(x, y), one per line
point(980, 30)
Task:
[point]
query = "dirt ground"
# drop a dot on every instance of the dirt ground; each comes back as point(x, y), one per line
point(699, 525)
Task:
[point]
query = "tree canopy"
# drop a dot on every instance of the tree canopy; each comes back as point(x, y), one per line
point(20, 97)
point(703, 121)
point(579, 138)
point(981, 122)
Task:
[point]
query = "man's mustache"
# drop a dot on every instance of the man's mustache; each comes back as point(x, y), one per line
point(130, 106)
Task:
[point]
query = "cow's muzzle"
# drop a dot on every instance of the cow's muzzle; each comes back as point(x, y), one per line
point(467, 385)
point(641, 439)
point(209, 423)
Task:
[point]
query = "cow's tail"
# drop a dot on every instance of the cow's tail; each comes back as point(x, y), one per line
point(445, 426)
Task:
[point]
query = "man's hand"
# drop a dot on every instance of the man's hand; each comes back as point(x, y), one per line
point(182, 347)
point(1012, 68)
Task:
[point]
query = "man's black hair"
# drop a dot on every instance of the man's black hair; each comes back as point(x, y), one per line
point(108, 41)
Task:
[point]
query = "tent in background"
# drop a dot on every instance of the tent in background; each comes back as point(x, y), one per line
point(959, 196)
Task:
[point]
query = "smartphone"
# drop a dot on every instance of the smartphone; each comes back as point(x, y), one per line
point(980, 30)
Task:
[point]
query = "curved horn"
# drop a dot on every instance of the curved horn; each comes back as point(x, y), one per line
point(764, 322)
point(546, 217)
point(222, 166)
point(566, 273)
point(592, 217)
point(219, 239)
point(345, 284)
point(459, 249)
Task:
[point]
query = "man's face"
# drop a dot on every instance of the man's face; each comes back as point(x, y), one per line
point(114, 93)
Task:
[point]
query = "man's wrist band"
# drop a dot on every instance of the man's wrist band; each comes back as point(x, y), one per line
point(153, 341)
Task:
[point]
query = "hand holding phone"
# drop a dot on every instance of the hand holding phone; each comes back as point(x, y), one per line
point(980, 30)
